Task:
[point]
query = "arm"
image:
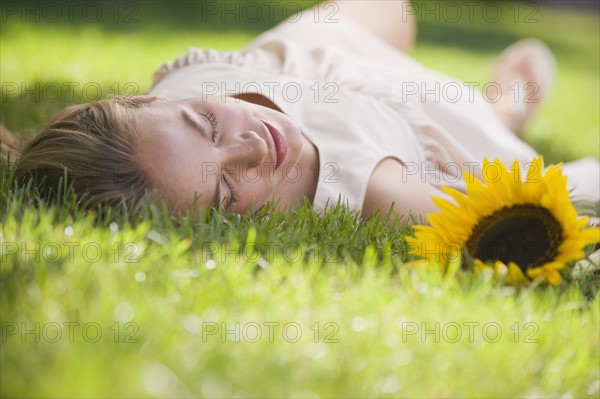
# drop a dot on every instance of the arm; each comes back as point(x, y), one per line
point(390, 183)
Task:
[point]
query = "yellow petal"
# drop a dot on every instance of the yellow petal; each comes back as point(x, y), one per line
point(515, 275)
point(546, 274)
point(534, 173)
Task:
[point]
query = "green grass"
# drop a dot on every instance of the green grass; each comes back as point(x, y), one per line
point(157, 289)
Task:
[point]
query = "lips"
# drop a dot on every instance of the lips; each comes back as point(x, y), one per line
point(280, 143)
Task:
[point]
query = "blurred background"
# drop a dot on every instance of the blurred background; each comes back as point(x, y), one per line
point(55, 53)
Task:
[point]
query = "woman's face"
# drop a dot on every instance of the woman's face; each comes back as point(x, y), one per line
point(229, 153)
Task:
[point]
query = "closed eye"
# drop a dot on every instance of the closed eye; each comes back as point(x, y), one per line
point(193, 121)
point(213, 123)
point(233, 198)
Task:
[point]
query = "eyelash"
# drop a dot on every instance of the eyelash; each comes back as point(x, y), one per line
point(232, 190)
point(213, 122)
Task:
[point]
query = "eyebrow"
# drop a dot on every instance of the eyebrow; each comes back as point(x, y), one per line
point(216, 202)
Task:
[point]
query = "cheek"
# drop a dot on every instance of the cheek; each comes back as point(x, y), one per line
point(255, 188)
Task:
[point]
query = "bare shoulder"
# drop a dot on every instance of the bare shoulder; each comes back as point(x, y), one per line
point(390, 183)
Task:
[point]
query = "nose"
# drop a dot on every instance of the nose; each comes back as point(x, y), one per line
point(247, 148)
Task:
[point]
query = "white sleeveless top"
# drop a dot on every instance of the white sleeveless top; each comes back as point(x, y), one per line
point(358, 101)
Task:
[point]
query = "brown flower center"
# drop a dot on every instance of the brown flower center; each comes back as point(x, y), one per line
point(525, 234)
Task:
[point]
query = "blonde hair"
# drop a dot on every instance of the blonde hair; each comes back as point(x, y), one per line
point(89, 147)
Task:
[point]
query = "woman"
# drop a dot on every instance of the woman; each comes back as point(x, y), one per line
point(316, 108)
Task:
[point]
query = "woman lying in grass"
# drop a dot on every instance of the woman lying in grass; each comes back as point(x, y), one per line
point(308, 111)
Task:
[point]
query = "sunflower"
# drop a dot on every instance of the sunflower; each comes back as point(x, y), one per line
point(523, 230)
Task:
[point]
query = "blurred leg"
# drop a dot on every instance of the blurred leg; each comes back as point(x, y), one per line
point(379, 31)
point(525, 73)
point(391, 20)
